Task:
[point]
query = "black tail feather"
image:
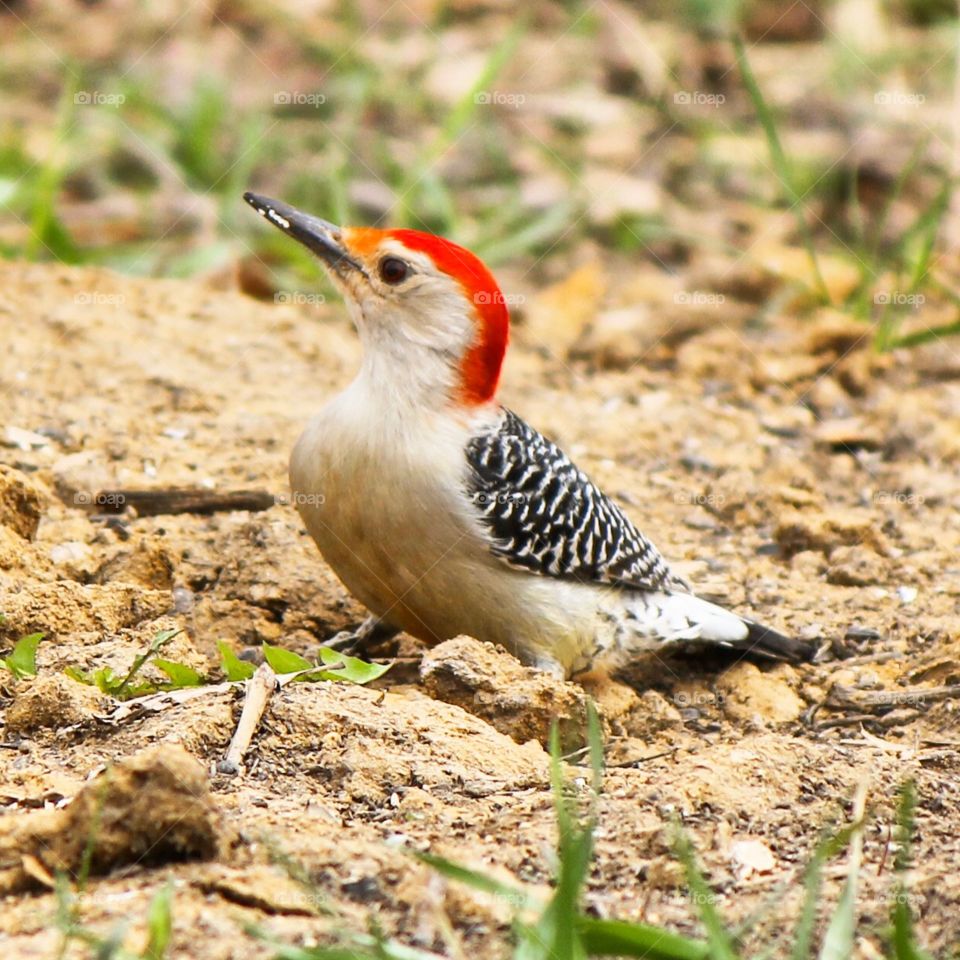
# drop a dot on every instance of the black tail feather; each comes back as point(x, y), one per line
point(767, 642)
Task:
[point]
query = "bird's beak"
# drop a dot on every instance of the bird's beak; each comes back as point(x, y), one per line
point(323, 238)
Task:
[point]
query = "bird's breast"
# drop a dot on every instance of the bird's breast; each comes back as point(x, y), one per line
point(386, 503)
point(381, 498)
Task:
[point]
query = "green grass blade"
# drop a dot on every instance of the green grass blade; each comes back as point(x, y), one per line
point(159, 923)
point(323, 953)
point(90, 846)
point(827, 848)
point(838, 941)
point(868, 251)
point(457, 121)
point(365, 948)
point(473, 878)
point(924, 232)
point(532, 232)
point(595, 742)
point(905, 946)
point(919, 337)
point(839, 938)
point(556, 935)
point(617, 938)
point(781, 164)
point(159, 642)
point(46, 232)
point(718, 938)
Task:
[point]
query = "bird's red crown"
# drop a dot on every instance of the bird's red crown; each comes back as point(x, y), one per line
point(481, 365)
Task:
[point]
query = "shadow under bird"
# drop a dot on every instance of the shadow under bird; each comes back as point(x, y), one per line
point(445, 513)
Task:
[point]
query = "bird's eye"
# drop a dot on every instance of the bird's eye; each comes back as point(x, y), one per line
point(393, 270)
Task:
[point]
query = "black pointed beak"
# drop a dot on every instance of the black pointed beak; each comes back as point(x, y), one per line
point(323, 238)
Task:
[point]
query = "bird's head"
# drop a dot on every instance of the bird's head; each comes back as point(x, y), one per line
point(418, 300)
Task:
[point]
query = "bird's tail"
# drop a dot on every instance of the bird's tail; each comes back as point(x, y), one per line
point(685, 618)
point(767, 642)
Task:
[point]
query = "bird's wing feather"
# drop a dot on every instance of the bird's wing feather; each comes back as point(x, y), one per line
point(543, 514)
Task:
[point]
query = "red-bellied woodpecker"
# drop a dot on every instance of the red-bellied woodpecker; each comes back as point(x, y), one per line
point(445, 513)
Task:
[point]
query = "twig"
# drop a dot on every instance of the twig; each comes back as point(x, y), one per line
point(153, 503)
point(626, 764)
point(259, 688)
point(853, 721)
point(876, 700)
point(866, 658)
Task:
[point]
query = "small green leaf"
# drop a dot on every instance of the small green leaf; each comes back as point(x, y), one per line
point(351, 669)
point(81, 676)
point(233, 667)
point(22, 662)
point(107, 681)
point(179, 673)
point(284, 661)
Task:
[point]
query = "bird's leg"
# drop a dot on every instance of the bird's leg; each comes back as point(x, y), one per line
point(548, 664)
point(370, 633)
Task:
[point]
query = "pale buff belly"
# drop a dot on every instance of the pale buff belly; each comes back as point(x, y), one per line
point(401, 547)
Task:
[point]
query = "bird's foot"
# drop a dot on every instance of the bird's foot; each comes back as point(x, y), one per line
point(359, 642)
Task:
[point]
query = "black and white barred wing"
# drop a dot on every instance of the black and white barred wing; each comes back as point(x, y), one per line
point(545, 515)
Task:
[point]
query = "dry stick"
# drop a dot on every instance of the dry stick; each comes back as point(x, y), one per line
point(153, 503)
point(870, 700)
point(866, 658)
point(259, 687)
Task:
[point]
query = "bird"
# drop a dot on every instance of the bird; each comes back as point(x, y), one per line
point(445, 513)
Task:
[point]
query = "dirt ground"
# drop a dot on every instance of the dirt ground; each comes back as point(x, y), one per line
point(784, 467)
